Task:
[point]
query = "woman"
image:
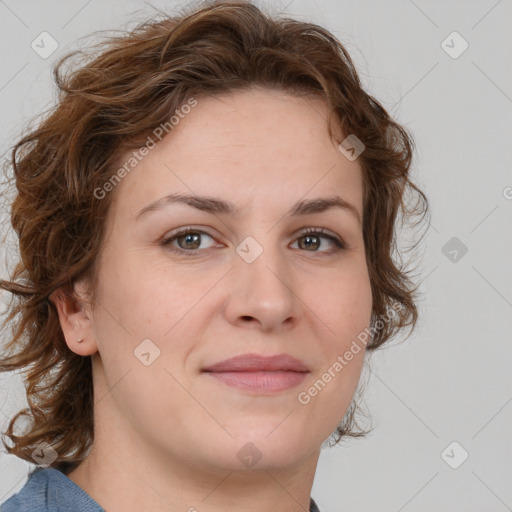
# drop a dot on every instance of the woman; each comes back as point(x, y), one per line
point(206, 226)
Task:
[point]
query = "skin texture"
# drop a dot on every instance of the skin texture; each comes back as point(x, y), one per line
point(167, 435)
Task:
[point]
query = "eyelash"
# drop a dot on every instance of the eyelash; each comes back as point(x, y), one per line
point(340, 244)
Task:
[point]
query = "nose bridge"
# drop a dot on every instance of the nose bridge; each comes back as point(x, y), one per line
point(261, 274)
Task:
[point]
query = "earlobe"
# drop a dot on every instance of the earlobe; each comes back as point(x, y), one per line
point(75, 322)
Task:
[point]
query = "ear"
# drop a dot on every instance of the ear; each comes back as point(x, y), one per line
point(75, 316)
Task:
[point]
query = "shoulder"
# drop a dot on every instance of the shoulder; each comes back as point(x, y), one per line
point(313, 507)
point(50, 490)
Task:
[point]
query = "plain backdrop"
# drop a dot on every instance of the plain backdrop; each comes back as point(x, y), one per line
point(445, 393)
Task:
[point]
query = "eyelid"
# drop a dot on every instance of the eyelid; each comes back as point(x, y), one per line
point(324, 233)
point(168, 237)
point(321, 232)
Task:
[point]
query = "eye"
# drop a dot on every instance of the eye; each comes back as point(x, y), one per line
point(189, 240)
point(312, 239)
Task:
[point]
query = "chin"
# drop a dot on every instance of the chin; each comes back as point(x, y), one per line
point(265, 447)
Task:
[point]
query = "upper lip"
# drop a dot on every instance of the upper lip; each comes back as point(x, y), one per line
point(255, 362)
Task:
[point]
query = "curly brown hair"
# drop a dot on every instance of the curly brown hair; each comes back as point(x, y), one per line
point(108, 105)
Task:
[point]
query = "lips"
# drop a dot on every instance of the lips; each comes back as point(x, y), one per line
point(259, 374)
point(255, 363)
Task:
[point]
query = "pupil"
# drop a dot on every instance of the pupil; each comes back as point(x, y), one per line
point(189, 238)
point(308, 239)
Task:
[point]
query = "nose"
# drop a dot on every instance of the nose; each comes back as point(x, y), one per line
point(263, 292)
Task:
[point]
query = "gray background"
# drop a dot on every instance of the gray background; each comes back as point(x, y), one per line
point(450, 381)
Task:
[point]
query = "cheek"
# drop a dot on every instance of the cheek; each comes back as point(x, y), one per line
point(344, 312)
point(136, 301)
point(138, 360)
point(327, 396)
point(143, 316)
point(343, 305)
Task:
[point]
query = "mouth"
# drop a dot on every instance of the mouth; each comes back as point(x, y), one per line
point(252, 372)
point(263, 382)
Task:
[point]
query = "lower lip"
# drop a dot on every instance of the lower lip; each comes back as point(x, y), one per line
point(263, 382)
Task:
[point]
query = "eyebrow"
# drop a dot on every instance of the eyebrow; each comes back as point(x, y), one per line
point(214, 205)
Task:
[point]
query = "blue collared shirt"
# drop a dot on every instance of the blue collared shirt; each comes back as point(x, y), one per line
point(50, 490)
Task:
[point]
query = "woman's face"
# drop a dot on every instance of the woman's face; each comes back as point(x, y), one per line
point(255, 284)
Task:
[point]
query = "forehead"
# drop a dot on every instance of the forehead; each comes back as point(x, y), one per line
point(256, 118)
point(258, 146)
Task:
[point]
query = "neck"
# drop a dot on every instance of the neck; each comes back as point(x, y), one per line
point(125, 473)
point(128, 483)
